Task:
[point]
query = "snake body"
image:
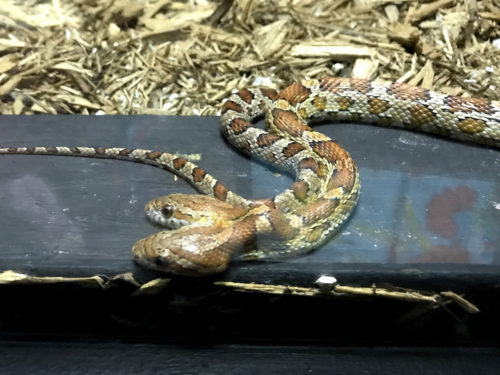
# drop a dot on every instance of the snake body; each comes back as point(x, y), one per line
point(211, 229)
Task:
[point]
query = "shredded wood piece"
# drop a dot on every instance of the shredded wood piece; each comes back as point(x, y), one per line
point(182, 58)
point(427, 10)
point(431, 300)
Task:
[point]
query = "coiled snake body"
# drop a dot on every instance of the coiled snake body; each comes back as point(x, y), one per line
point(209, 230)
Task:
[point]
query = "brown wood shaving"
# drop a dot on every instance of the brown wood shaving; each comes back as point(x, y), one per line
point(183, 58)
point(431, 300)
point(427, 10)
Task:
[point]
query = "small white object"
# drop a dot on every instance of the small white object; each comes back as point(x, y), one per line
point(326, 283)
point(262, 81)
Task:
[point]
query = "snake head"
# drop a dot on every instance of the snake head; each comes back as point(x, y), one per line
point(188, 251)
point(207, 234)
point(177, 210)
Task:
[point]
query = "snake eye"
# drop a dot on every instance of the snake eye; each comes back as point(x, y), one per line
point(167, 211)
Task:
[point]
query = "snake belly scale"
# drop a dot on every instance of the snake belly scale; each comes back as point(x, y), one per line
point(207, 231)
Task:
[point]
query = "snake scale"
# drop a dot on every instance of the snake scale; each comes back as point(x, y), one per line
point(207, 231)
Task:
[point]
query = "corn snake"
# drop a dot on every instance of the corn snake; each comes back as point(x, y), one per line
point(327, 184)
